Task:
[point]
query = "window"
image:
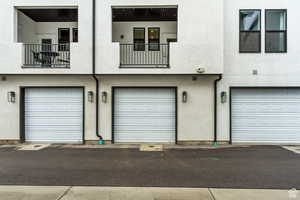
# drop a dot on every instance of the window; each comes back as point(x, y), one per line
point(139, 39)
point(64, 39)
point(75, 34)
point(154, 39)
point(250, 31)
point(276, 31)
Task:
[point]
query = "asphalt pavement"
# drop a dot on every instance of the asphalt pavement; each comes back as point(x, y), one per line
point(254, 167)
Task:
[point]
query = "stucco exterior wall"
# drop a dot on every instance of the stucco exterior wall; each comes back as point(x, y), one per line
point(26, 29)
point(200, 30)
point(274, 69)
point(205, 40)
point(195, 118)
point(10, 112)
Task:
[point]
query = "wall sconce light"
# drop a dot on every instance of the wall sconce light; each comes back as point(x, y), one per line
point(91, 96)
point(104, 97)
point(11, 97)
point(184, 97)
point(223, 97)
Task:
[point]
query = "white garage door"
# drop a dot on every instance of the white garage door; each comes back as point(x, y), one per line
point(266, 116)
point(144, 115)
point(54, 115)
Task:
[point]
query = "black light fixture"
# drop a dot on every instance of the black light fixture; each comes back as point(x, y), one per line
point(91, 96)
point(104, 97)
point(223, 97)
point(11, 97)
point(184, 96)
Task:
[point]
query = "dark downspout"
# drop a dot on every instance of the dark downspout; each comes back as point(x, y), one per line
point(216, 109)
point(94, 74)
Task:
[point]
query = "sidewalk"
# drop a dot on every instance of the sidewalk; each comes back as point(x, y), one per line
point(117, 193)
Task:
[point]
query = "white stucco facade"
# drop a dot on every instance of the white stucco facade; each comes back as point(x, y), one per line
point(207, 34)
point(200, 32)
point(273, 69)
point(199, 106)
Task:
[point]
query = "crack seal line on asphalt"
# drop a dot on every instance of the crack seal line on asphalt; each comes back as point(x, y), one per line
point(211, 193)
point(64, 194)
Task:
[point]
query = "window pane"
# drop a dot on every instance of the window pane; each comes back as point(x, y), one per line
point(75, 35)
point(275, 42)
point(139, 39)
point(139, 34)
point(250, 42)
point(154, 39)
point(153, 34)
point(250, 20)
point(64, 36)
point(154, 46)
point(139, 46)
point(64, 39)
point(276, 20)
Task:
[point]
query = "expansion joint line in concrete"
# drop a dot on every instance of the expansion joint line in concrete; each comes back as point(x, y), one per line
point(212, 194)
point(65, 193)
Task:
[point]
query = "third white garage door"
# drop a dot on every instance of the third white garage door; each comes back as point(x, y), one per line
point(144, 115)
point(266, 115)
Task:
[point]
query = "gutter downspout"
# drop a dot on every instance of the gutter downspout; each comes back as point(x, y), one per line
point(216, 109)
point(94, 74)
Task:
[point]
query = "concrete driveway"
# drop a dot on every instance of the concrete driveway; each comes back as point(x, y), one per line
point(255, 167)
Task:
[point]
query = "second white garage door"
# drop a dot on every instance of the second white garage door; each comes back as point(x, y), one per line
point(144, 115)
point(266, 115)
point(54, 115)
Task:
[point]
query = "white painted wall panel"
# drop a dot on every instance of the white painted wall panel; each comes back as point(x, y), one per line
point(54, 115)
point(266, 115)
point(145, 115)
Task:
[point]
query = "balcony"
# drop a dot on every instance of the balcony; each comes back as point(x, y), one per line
point(144, 35)
point(46, 55)
point(47, 36)
point(144, 55)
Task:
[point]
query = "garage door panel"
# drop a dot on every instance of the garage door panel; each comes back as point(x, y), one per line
point(60, 134)
point(53, 108)
point(265, 121)
point(153, 107)
point(144, 115)
point(142, 119)
point(54, 115)
point(266, 115)
point(254, 108)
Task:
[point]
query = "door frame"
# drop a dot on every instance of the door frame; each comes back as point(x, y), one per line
point(249, 87)
point(114, 88)
point(22, 108)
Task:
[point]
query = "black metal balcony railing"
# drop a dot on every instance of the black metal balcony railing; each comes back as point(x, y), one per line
point(142, 55)
point(47, 55)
